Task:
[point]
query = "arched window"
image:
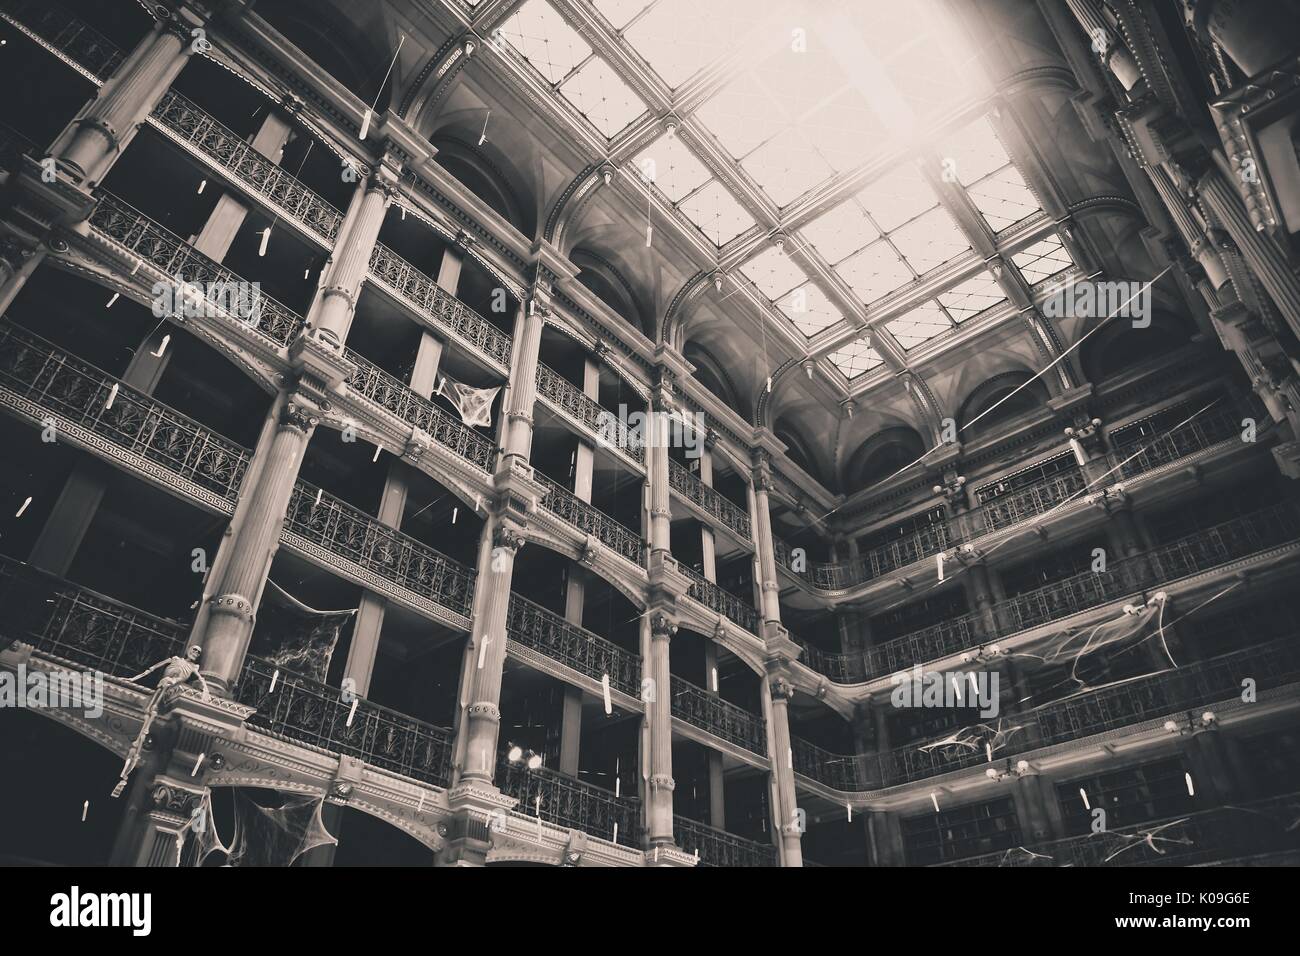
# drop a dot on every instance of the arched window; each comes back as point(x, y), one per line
point(478, 173)
point(997, 403)
point(881, 456)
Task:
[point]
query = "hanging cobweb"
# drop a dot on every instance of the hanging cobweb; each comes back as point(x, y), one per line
point(277, 836)
point(294, 637)
point(473, 404)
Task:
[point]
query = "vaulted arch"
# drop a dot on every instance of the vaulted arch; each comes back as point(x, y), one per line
point(1120, 345)
point(881, 455)
point(342, 41)
point(1000, 400)
point(486, 174)
point(606, 282)
point(710, 373)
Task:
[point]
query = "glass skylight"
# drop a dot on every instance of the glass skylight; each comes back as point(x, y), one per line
point(972, 296)
point(929, 240)
point(671, 166)
point(717, 213)
point(809, 309)
point(774, 272)
point(601, 95)
point(919, 325)
point(1042, 260)
point(898, 196)
point(1003, 198)
point(974, 151)
point(678, 38)
point(855, 359)
point(840, 232)
point(540, 34)
point(874, 272)
point(619, 12)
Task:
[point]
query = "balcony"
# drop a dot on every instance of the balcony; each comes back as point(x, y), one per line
point(589, 519)
point(136, 233)
point(439, 306)
point(584, 410)
point(1197, 552)
point(568, 802)
point(87, 50)
point(318, 715)
point(534, 627)
point(709, 501)
point(350, 533)
point(719, 717)
point(1023, 504)
point(735, 609)
point(372, 383)
point(36, 372)
point(716, 847)
point(1221, 835)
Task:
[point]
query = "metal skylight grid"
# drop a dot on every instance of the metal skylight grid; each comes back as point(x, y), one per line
point(929, 240)
point(809, 309)
point(1003, 198)
point(972, 296)
point(672, 167)
point(919, 325)
point(542, 37)
point(602, 96)
point(1042, 260)
point(875, 272)
point(774, 272)
point(716, 212)
point(856, 358)
point(840, 232)
point(678, 38)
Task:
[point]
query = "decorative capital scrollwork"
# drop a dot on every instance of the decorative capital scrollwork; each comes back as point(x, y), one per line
point(781, 688)
point(297, 415)
point(505, 536)
point(662, 627)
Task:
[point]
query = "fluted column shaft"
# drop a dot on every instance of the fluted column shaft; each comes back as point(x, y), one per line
point(777, 695)
point(225, 631)
point(658, 703)
point(523, 382)
point(657, 475)
point(97, 137)
point(762, 521)
point(331, 312)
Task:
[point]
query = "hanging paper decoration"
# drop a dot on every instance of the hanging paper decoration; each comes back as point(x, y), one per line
point(294, 637)
point(473, 404)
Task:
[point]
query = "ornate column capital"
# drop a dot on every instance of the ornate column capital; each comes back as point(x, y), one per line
point(504, 536)
point(662, 627)
point(781, 688)
point(299, 415)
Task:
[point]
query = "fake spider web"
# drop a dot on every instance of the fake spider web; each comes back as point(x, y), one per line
point(277, 836)
point(473, 404)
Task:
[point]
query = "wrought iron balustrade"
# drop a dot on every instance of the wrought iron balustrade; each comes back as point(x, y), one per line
point(318, 715)
point(564, 394)
point(75, 624)
point(846, 772)
point(349, 532)
point(840, 668)
point(549, 634)
point(1211, 427)
point(371, 382)
point(80, 43)
point(1020, 505)
point(719, 717)
point(708, 499)
point(438, 304)
point(718, 847)
point(927, 644)
point(1247, 534)
point(733, 608)
point(137, 233)
point(571, 509)
point(1219, 835)
point(820, 574)
point(39, 372)
point(569, 802)
point(236, 155)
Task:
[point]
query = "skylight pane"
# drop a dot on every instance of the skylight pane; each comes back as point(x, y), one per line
point(601, 95)
point(975, 152)
point(1003, 198)
point(840, 232)
point(1042, 260)
point(874, 272)
point(919, 326)
point(670, 165)
point(844, 131)
point(618, 12)
point(855, 358)
point(717, 213)
point(740, 115)
point(774, 272)
point(930, 240)
point(898, 196)
point(540, 34)
point(680, 37)
point(786, 166)
point(972, 296)
point(809, 309)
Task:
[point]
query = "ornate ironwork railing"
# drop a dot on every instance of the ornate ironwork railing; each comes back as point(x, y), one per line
point(37, 371)
point(364, 540)
point(318, 715)
point(569, 508)
point(719, 717)
point(1107, 708)
point(708, 499)
point(371, 382)
point(1213, 426)
point(1210, 836)
point(820, 574)
point(1021, 504)
point(571, 803)
point(549, 634)
point(565, 395)
point(718, 847)
point(848, 772)
point(438, 304)
point(198, 128)
point(927, 644)
point(78, 625)
point(840, 668)
point(137, 233)
point(87, 48)
point(713, 597)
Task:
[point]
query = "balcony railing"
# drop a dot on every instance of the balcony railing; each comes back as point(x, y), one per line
point(840, 668)
point(1109, 708)
point(573, 402)
point(75, 624)
point(589, 519)
point(37, 371)
point(349, 532)
point(1210, 836)
point(848, 772)
point(439, 305)
point(199, 129)
point(1020, 505)
point(720, 848)
point(549, 634)
point(730, 606)
point(87, 48)
point(1213, 426)
point(708, 500)
point(571, 803)
point(371, 382)
point(318, 715)
point(137, 233)
point(719, 717)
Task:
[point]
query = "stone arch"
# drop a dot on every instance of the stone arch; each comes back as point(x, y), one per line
point(607, 282)
point(881, 455)
point(711, 374)
point(1001, 388)
point(487, 173)
point(1119, 345)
